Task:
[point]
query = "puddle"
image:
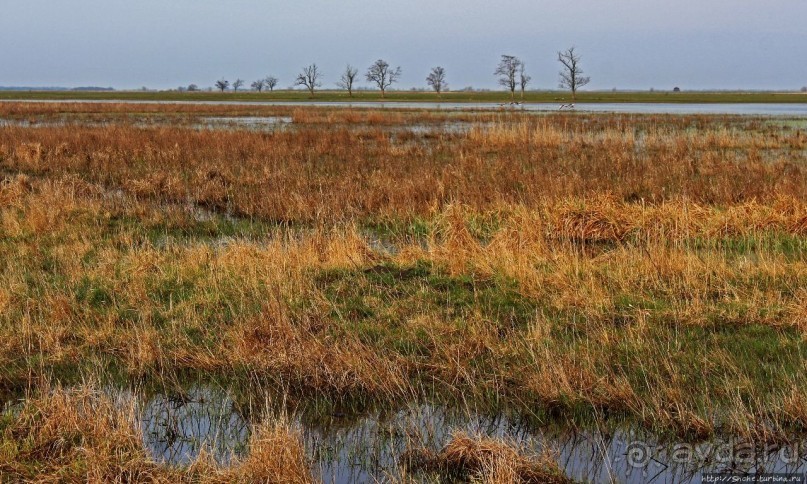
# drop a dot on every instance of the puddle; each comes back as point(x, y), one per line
point(267, 123)
point(177, 427)
point(28, 123)
point(369, 448)
point(747, 109)
point(455, 127)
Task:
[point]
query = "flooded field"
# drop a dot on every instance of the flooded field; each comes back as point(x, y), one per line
point(313, 293)
point(746, 109)
point(178, 426)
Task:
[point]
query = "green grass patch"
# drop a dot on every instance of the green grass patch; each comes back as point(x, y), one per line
point(394, 306)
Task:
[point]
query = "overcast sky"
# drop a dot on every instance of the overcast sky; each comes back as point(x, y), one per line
point(627, 44)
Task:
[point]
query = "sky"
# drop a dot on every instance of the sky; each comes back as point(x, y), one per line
point(624, 44)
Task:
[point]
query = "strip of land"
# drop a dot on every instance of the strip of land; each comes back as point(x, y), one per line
point(412, 96)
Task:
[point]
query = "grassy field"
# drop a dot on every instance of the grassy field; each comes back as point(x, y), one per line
point(412, 96)
point(567, 268)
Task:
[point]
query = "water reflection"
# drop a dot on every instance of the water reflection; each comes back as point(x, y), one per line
point(369, 448)
point(176, 427)
point(257, 123)
point(29, 123)
point(755, 109)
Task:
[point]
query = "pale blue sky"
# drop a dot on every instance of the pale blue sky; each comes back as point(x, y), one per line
point(695, 44)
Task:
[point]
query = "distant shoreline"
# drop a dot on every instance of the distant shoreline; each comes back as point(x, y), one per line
point(693, 97)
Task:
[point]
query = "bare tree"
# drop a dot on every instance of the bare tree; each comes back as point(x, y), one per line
point(508, 66)
point(238, 84)
point(571, 75)
point(348, 78)
point(523, 80)
point(222, 85)
point(437, 79)
point(271, 82)
point(310, 77)
point(383, 75)
point(259, 85)
point(193, 88)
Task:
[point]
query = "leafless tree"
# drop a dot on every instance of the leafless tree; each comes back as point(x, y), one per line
point(523, 79)
point(222, 85)
point(348, 79)
point(310, 77)
point(507, 69)
point(437, 79)
point(259, 85)
point(193, 88)
point(238, 84)
point(271, 82)
point(571, 75)
point(383, 75)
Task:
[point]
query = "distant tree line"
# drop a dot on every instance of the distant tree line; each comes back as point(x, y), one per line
point(510, 73)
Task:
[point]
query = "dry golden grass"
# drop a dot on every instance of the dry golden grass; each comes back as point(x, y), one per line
point(647, 267)
point(486, 460)
point(260, 305)
point(330, 169)
point(81, 435)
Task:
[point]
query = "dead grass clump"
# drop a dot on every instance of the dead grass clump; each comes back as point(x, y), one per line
point(487, 460)
point(795, 408)
point(74, 435)
point(13, 189)
point(29, 153)
point(81, 435)
point(298, 351)
point(276, 455)
point(598, 220)
point(453, 242)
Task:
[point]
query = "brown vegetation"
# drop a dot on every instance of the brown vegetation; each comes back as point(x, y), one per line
point(644, 267)
point(342, 171)
point(80, 435)
point(486, 460)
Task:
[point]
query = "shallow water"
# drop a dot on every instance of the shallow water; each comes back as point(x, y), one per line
point(757, 109)
point(176, 428)
point(261, 123)
point(26, 123)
